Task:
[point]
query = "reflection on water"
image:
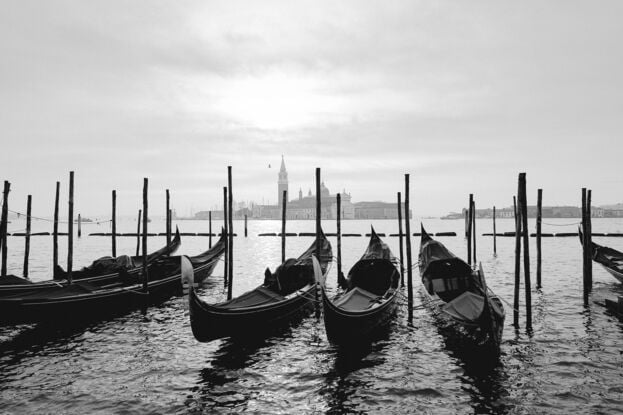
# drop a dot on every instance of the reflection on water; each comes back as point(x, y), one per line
point(148, 361)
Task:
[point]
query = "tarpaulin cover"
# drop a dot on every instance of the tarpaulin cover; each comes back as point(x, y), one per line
point(13, 279)
point(258, 296)
point(297, 273)
point(466, 307)
point(441, 270)
point(357, 299)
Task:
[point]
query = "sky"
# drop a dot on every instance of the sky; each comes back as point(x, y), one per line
point(461, 95)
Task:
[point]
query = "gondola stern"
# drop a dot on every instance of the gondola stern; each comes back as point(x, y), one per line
point(187, 274)
point(319, 277)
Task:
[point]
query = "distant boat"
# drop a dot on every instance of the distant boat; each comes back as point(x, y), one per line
point(452, 216)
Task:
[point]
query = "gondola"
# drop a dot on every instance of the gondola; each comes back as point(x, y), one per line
point(459, 297)
point(609, 258)
point(368, 298)
point(85, 300)
point(285, 295)
point(615, 307)
point(102, 271)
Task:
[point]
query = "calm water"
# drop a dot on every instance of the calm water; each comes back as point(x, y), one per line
point(149, 362)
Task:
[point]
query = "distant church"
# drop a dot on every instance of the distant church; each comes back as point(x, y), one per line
point(305, 206)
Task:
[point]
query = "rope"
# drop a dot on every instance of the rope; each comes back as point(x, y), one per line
point(562, 224)
point(60, 221)
point(507, 303)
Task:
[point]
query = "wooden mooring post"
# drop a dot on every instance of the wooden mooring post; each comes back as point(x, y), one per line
point(587, 264)
point(517, 264)
point(79, 225)
point(138, 232)
point(226, 233)
point(589, 237)
point(27, 242)
point(400, 240)
point(340, 276)
point(55, 230)
point(318, 233)
point(145, 272)
point(470, 218)
point(168, 217)
point(246, 233)
point(230, 234)
point(70, 229)
point(495, 235)
point(584, 248)
point(4, 226)
point(284, 198)
point(114, 223)
point(408, 241)
point(539, 218)
point(210, 229)
point(523, 203)
point(473, 232)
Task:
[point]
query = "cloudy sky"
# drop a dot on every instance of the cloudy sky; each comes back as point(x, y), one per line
point(462, 95)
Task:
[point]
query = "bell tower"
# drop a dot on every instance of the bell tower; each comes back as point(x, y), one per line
point(282, 183)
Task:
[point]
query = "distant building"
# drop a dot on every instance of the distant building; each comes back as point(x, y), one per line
point(546, 211)
point(613, 213)
point(378, 210)
point(304, 207)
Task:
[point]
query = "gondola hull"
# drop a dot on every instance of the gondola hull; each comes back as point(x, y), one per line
point(285, 297)
point(209, 322)
point(609, 258)
point(344, 327)
point(463, 335)
point(616, 274)
point(467, 312)
point(83, 301)
point(366, 300)
point(13, 289)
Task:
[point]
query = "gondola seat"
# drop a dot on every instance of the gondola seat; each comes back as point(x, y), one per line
point(357, 299)
point(259, 296)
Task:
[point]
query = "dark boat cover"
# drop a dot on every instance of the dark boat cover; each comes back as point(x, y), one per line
point(441, 270)
point(297, 273)
point(375, 272)
point(13, 279)
point(112, 265)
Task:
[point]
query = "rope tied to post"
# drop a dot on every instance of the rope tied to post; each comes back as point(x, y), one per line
point(19, 214)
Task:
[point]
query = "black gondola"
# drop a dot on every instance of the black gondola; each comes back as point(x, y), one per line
point(458, 296)
point(609, 258)
point(103, 271)
point(87, 300)
point(285, 295)
point(368, 299)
